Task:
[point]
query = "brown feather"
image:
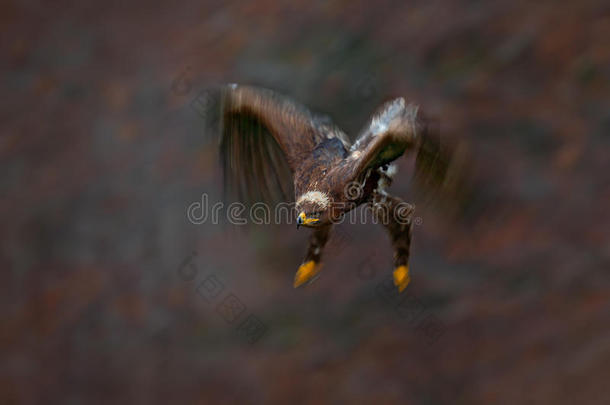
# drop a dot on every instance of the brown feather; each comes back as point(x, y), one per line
point(265, 138)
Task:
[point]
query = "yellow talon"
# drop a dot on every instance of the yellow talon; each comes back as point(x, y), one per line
point(305, 273)
point(401, 277)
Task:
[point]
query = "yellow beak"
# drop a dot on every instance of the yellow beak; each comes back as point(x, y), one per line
point(303, 220)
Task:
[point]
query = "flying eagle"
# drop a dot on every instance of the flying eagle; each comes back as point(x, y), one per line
point(268, 142)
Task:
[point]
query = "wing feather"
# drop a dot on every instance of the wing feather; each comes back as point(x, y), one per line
point(441, 170)
point(264, 138)
point(394, 128)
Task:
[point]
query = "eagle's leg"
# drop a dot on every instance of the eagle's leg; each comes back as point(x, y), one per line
point(395, 215)
point(311, 265)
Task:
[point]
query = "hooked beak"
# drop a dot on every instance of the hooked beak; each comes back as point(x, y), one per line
point(303, 220)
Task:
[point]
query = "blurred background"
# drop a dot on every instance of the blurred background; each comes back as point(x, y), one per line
point(110, 295)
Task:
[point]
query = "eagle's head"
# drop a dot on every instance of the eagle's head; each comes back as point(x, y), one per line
point(313, 208)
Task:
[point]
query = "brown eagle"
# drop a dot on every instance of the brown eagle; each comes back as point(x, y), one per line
point(268, 142)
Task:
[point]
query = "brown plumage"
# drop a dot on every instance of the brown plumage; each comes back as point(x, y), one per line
point(270, 143)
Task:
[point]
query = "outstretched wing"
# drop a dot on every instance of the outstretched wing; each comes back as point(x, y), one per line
point(264, 139)
point(440, 172)
point(392, 129)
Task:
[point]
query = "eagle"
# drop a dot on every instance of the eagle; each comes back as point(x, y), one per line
point(271, 144)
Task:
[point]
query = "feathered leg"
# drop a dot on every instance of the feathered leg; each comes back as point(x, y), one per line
point(311, 265)
point(395, 215)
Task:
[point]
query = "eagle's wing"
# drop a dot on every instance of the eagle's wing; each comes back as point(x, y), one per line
point(392, 129)
point(441, 173)
point(264, 139)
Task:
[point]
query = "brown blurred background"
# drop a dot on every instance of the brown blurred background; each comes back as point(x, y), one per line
point(102, 152)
